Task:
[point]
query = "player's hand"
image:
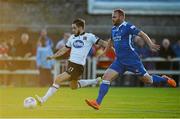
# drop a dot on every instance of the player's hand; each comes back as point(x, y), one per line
point(154, 47)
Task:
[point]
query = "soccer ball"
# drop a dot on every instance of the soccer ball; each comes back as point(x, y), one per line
point(30, 102)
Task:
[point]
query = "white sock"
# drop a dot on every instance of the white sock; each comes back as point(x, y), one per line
point(50, 92)
point(86, 82)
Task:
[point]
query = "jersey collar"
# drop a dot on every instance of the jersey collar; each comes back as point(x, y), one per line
point(124, 23)
point(80, 34)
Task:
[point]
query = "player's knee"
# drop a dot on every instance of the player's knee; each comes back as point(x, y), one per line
point(106, 77)
point(147, 79)
point(150, 81)
point(56, 81)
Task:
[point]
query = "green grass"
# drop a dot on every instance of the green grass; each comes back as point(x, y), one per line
point(120, 102)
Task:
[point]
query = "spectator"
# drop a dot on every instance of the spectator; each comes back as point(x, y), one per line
point(176, 48)
point(23, 50)
point(3, 63)
point(145, 52)
point(107, 53)
point(4, 49)
point(11, 53)
point(166, 52)
point(99, 51)
point(12, 47)
point(63, 41)
point(3, 54)
point(110, 54)
point(142, 49)
point(49, 41)
point(44, 66)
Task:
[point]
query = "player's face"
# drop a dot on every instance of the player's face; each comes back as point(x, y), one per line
point(75, 29)
point(117, 18)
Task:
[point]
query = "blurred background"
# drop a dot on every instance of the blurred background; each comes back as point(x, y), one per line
point(24, 23)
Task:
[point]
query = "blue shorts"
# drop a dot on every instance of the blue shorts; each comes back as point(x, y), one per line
point(134, 66)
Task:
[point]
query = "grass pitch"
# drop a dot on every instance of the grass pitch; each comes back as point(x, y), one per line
point(119, 103)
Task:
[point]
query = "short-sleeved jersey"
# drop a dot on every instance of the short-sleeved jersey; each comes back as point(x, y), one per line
point(127, 58)
point(80, 46)
point(122, 37)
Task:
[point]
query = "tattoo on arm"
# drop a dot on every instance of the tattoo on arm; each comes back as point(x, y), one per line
point(61, 52)
point(103, 43)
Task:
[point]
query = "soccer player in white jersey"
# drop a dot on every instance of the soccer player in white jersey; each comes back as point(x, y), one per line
point(80, 43)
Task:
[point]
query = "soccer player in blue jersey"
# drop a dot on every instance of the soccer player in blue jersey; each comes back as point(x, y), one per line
point(126, 57)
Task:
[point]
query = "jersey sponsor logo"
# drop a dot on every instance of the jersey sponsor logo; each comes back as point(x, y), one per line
point(78, 44)
point(117, 38)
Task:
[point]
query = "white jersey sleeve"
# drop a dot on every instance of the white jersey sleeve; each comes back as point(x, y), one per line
point(93, 38)
point(69, 44)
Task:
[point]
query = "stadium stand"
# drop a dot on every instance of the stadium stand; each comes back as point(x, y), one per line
point(57, 16)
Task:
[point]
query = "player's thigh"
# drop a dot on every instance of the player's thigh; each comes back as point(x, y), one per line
point(62, 77)
point(110, 74)
point(75, 70)
point(137, 68)
point(117, 66)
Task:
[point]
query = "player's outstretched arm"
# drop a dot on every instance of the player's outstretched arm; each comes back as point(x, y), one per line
point(152, 46)
point(103, 43)
point(59, 53)
point(106, 45)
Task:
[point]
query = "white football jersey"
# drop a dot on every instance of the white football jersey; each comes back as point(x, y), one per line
point(80, 46)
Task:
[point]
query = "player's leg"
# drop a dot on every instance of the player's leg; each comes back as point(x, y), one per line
point(58, 80)
point(89, 82)
point(110, 74)
point(76, 71)
point(73, 84)
point(158, 79)
point(146, 78)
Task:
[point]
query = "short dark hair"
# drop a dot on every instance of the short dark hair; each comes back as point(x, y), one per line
point(120, 11)
point(79, 22)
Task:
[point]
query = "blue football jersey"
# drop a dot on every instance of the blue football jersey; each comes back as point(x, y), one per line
point(127, 58)
point(122, 37)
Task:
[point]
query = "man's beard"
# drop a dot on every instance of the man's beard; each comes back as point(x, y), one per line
point(78, 33)
point(117, 23)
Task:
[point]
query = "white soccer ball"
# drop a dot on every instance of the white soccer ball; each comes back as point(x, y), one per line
point(30, 102)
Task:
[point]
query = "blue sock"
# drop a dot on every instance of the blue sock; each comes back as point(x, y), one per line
point(158, 79)
point(104, 87)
